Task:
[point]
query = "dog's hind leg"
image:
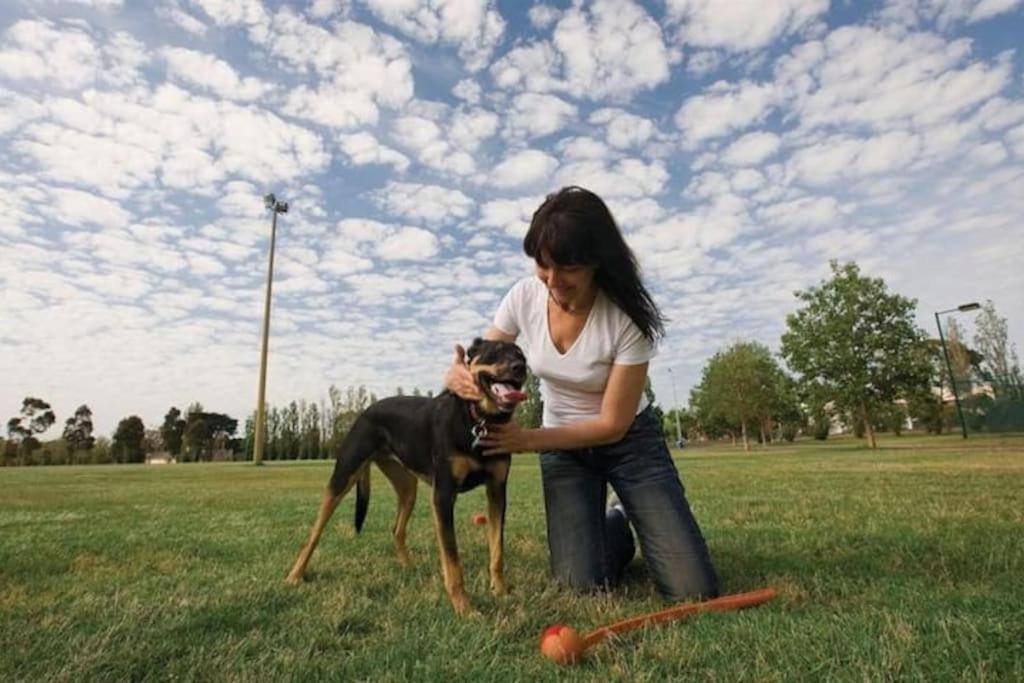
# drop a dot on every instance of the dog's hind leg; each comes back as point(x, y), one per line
point(404, 483)
point(353, 458)
point(328, 504)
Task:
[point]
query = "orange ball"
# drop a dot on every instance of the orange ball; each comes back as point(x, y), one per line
point(479, 520)
point(561, 644)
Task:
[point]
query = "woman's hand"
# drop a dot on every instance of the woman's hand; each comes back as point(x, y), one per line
point(459, 380)
point(506, 438)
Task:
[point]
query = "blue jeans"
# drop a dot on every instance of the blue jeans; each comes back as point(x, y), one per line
point(590, 549)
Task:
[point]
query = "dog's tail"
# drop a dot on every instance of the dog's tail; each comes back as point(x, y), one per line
point(362, 497)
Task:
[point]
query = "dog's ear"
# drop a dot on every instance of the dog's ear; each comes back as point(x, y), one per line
point(474, 349)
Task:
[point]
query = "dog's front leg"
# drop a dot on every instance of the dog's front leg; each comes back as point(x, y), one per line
point(496, 486)
point(451, 568)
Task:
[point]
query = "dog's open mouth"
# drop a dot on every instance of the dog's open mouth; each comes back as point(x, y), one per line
point(505, 392)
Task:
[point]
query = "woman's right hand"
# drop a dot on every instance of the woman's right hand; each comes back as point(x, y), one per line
point(459, 380)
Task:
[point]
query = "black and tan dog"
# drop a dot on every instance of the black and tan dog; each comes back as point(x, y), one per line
point(434, 439)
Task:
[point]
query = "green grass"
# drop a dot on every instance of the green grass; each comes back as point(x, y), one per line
point(906, 563)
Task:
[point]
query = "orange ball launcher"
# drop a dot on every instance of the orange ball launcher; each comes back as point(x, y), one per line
point(722, 604)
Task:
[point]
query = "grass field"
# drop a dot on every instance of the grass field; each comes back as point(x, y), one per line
point(906, 563)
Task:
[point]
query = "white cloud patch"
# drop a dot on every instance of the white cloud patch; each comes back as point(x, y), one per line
point(623, 129)
point(475, 27)
point(724, 108)
point(611, 48)
point(739, 26)
point(428, 203)
point(532, 115)
point(524, 168)
point(751, 149)
point(363, 148)
point(945, 13)
point(211, 74)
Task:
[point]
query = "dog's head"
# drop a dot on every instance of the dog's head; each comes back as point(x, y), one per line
point(500, 371)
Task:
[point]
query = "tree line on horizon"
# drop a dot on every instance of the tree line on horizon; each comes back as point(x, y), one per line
point(854, 354)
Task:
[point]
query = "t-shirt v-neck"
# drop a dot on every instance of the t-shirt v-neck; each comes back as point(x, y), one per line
point(579, 335)
point(572, 383)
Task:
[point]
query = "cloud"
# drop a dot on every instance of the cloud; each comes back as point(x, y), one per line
point(363, 148)
point(611, 48)
point(39, 51)
point(945, 13)
point(387, 241)
point(474, 26)
point(428, 203)
point(751, 149)
point(739, 26)
point(623, 129)
point(523, 168)
point(723, 109)
point(532, 115)
point(211, 74)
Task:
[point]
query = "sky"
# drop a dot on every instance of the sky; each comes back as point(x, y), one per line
point(740, 144)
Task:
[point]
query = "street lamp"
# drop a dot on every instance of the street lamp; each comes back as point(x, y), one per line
point(962, 308)
point(675, 400)
point(275, 207)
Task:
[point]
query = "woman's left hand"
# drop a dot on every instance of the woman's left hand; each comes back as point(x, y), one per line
point(506, 438)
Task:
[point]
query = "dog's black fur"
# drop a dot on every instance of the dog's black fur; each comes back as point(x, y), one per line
point(410, 437)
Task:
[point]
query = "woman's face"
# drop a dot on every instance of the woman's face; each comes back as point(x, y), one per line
point(569, 286)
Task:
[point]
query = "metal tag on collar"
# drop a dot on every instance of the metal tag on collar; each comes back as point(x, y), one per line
point(479, 431)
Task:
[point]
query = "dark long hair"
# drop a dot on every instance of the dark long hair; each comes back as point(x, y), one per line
point(574, 227)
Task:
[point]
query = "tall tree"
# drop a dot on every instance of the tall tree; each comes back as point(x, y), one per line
point(1000, 363)
point(172, 431)
point(857, 342)
point(530, 413)
point(78, 432)
point(36, 418)
point(127, 441)
point(205, 432)
point(739, 386)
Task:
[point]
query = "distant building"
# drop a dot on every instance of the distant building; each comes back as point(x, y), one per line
point(159, 458)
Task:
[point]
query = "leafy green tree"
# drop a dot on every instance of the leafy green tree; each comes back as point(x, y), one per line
point(530, 413)
point(652, 400)
point(1001, 365)
point(172, 431)
point(78, 432)
point(858, 343)
point(206, 431)
point(127, 440)
point(738, 386)
point(309, 416)
point(36, 418)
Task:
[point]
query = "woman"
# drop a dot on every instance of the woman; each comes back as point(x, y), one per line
point(589, 327)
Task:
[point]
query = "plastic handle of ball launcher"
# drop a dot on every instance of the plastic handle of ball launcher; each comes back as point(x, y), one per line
point(725, 603)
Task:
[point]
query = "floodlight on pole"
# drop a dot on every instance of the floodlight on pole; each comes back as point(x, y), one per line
point(962, 308)
point(275, 207)
point(675, 400)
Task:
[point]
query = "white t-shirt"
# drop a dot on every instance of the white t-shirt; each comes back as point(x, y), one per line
point(572, 383)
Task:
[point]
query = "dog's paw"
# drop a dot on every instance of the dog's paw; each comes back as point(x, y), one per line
point(293, 580)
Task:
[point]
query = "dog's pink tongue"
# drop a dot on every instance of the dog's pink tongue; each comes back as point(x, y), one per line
point(507, 393)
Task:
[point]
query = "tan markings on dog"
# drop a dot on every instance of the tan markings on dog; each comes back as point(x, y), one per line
point(496, 533)
point(451, 569)
point(487, 404)
point(328, 504)
point(404, 483)
point(461, 465)
point(498, 469)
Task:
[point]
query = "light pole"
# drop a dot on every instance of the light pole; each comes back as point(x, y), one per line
point(675, 400)
point(973, 306)
point(275, 207)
